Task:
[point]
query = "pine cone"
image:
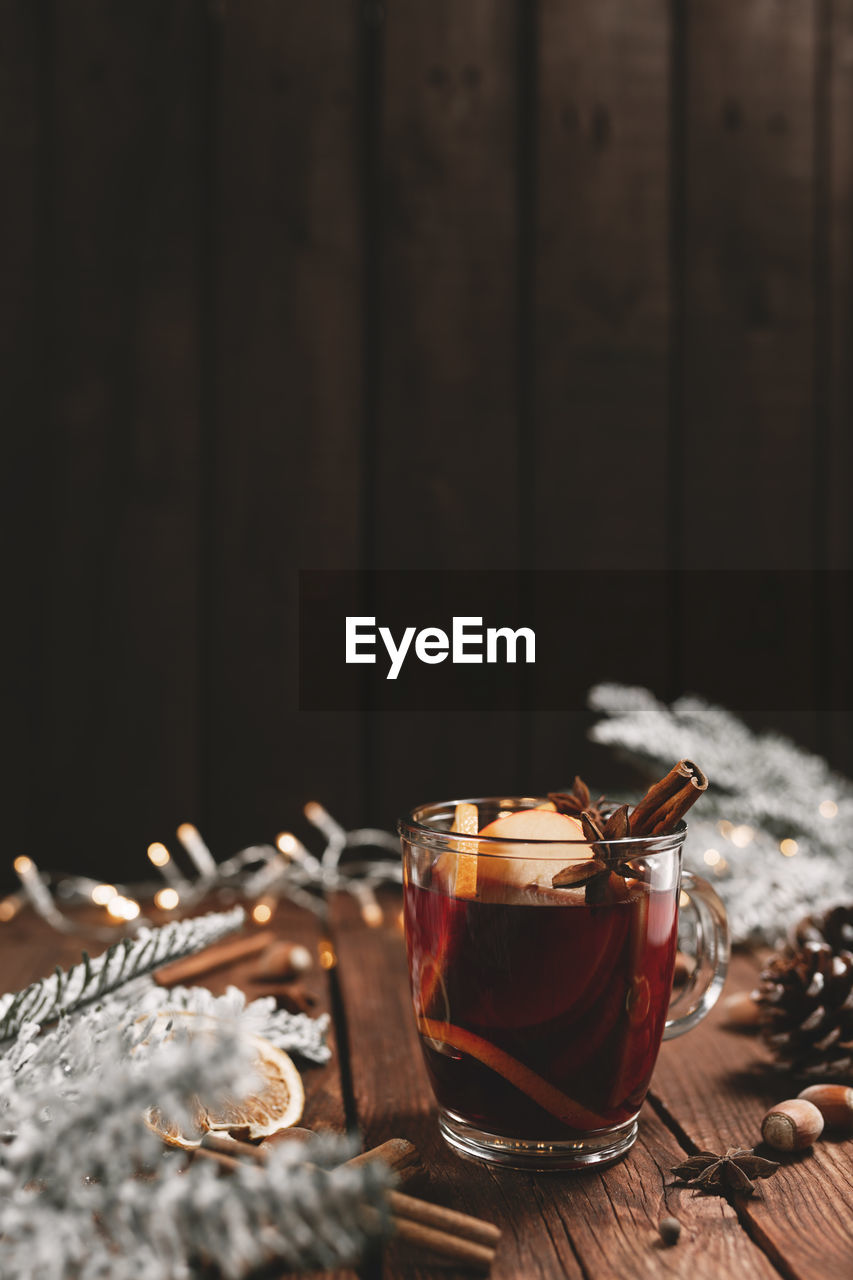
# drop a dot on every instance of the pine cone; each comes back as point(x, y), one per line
point(805, 998)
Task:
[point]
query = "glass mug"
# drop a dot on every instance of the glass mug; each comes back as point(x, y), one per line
point(541, 1013)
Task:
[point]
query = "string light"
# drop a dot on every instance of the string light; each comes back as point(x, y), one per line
point(683, 900)
point(161, 858)
point(8, 909)
point(711, 857)
point(371, 914)
point(158, 854)
point(202, 858)
point(742, 836)
point(721, 867)
point(827, 809)
point(262, 911)
point(725, 828)
point(121, 908)
point(326, 954)
point(788, 847)
point(261, 874)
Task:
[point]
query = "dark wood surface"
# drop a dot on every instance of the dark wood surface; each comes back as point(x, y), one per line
point(396, 287)
point(710, 1090)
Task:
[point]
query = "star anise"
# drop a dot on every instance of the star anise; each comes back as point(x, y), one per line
point(596, 871)
point(577, 800)
point(732, 1172)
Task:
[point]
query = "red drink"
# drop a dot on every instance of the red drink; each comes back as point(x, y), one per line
point(541, 952)
point(573, 994)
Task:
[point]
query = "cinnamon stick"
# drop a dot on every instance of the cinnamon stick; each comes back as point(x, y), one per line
point(665, 804)
point(402, 1155)
point(456, 1229)
point(215, 957)
point(454, 1248)
point(449, 1220)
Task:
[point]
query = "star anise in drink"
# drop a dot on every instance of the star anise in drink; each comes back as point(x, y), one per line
point(596, 872)
point(734, 1171)
point(578, 800)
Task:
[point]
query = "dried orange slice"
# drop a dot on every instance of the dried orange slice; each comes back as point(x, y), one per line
point(276, 1104)
point(458, 870)
point(466, 821)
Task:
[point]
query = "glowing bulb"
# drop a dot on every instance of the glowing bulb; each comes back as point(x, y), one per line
point(742, 836)
point(788, 847)
point(314, 812)
point(102, 894)
point(167, 899)
point(712, 857)
point(7, 909)
point(827, 809)
point(123, 908)
point(721, 867)
point(371, 914)
point(683, 899)
point(159, 854)
point(23, 864)
point(261, 913)
point(326, 954)
point(285, 842)
point(401, 920)
point(725, 828)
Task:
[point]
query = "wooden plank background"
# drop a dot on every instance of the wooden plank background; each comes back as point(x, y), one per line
point(386, 285)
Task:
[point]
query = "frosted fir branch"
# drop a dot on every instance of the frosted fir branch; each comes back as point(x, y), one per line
point(66, 991)
point(79, 1141)
point(294, 1032)
point(764, 785)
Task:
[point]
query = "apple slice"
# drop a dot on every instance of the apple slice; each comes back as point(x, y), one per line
point(525, 866)
point(535, 824)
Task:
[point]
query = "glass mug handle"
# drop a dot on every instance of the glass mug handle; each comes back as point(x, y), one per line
point(712, 955)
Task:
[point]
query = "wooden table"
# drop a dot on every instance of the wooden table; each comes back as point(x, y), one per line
point(709, 1091)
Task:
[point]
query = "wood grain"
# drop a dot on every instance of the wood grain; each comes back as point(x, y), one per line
point(834, 290)
point(23, 301)
point(749, 310)
point(746, 403)
point(710, 1089)
point(716, 1086)
point(120, 498)
point(285, 457)
point(444, 445)
point(600, 315)
point(602, 295)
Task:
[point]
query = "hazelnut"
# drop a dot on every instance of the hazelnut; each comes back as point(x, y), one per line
point(834, 1102)
point(670, 1230)
point(741, 1011)
point(792, 1125)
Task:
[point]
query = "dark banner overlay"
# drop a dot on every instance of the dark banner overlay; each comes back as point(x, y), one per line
point(442, 641)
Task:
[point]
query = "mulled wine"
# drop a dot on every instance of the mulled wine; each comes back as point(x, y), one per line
point(541, 939)
point(573, 993)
